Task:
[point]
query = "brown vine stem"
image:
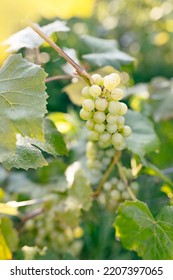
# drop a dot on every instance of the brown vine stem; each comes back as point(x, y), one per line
point(125, 181)
point(107, 173)
point(80, 71)
point(32, 215)
point(58, 77)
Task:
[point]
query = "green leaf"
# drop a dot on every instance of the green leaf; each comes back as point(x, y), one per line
point(5, 253)
point(143, 138)
point(8, 210)
point(105, 53)
point(22, 102)
point(81, 191)
point(151, 238)
point(28, 154)
point(74, 90)
point(27, 38)
point(54, 143)
point(161, 99)
point(9, 233)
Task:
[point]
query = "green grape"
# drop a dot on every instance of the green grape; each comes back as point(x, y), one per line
point(114, 181)
point(88, 105)
point(107, 186)
point(111, 128)
point(90, 124)
point(135, 186)
point(127, 131)
point(123, 109)
point(111, 81)
point(93, 136)
point(111, 119)
point(116, 77)
point(125, 195)
point(115, 194)
point(85, 115)
point(99, 117)
point(97, 79)
point(95, 91)
point(117, 94)
point(101, 104)
point(105, 137)
point(114, 107)
point(85, 92)
point(117, 139)
point(120, 122)
point(120, 186)
point(99, 127)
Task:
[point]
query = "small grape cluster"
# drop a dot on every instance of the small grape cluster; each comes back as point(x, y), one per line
point(97, 161)
point(49, 232)
point(115, 192)
point(104, 113)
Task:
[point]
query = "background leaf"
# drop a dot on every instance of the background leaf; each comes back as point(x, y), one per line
point(161, 99)
point(27, 38)
point(135, 224)
point(105, 53)
point(143, 138)
point(9, 233)
point(5, 253)
point(81, 190)
point(54, 143)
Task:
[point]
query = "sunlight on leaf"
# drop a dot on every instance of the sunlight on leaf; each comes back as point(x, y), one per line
point(135, 223)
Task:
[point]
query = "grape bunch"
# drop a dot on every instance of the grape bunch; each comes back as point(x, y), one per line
point(97, 161)
point(50, 232)
point(104, 113)
point(115, 192)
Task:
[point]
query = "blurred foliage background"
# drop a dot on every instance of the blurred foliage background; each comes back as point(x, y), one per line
point(142, 29)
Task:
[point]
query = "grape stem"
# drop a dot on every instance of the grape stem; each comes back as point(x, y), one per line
point(32, 215)
point(80, 71)
point(107, 173)
point(125, 181)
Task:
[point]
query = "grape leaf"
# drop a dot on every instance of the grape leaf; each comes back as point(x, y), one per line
point(54, 143)
point(161, 99)
point(143, 138)
point(5, 253)
point(9, 233)
point(27, 38)
point(81, 191)
point(74, 90)
point(28, 153)
point(26, 156)
point(22, 102)
point(151, 238)
point(105, 53)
